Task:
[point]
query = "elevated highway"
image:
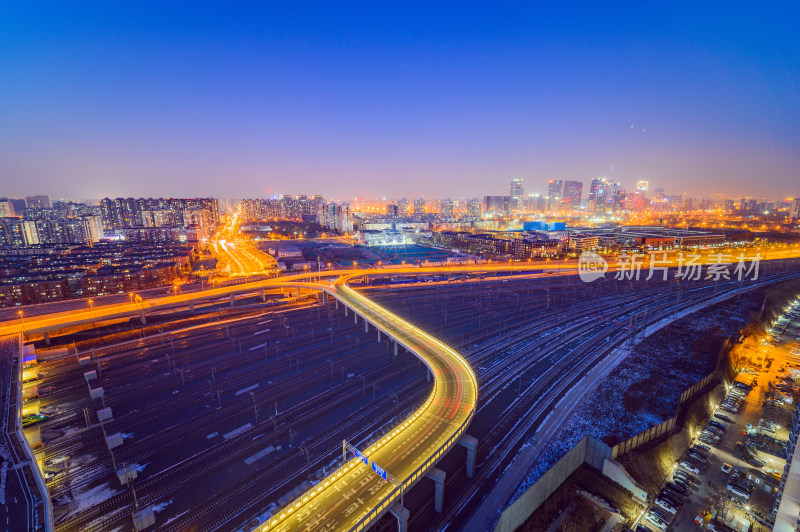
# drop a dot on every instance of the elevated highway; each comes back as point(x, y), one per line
point(355, 495)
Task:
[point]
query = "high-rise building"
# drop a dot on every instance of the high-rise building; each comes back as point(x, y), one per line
point(446, 208)
point(554, 188)
point(474, 208)
point(93, 227)
point(19, 205)
point(6, 208)
point(39, 201)
point(30, 233)
point(419, 206)
point(642, 186)
point(345, 215)
point(617, 197)
point(392, 210)
point(535, 202)
point(402, 208)
point(600, 196)
point(11, 233)
point(496, 204)
point(794, 209)
point(573, 191)
point(517, 190)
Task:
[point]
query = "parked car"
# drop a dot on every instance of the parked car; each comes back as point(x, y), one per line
point(723, 417)
point(680, 473)
point(688, 466)
point(708, 439)
point(706, 448)
point(675, 499)
point(696, 456)
point(741, 486)
point(685, 484)
point(680, 489)
point(658, 523)
point(666, 505)
point(738, 492)
point(726, 468)
point(661, 514)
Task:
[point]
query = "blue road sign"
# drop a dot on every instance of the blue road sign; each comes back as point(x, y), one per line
point(360, 456)
point(379, 470)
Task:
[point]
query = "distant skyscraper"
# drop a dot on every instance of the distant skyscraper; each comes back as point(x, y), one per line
point(535, 202)
point(93, 228)
point(419, 206)
point(345, 218)
point(38, 201)
point(19, 205)
point(599, 195)
point(554, 188)
point(391, 210)
point(6, 208)
point(474, 208)
point(402, 208)
point(30, 233)
point(573, 191)
point(641, 186)
point(496, 204)
point(517, 190)
point(617, 197)
point(446, 208)
point(794, 209)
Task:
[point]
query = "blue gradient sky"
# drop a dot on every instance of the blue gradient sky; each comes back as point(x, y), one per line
point(397, 99)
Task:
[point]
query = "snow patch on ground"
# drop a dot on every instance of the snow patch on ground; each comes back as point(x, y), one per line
point(93, 497)
point(160, 507)
point(644, 389)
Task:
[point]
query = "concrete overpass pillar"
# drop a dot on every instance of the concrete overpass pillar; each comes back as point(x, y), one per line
point(395, 349)
point(379, 335)
point(366, 326)
point(263, 296)
point(401, 513)
point(471, 444)
point(345, 307)
point(46, 338)
point(191, 307)
point(437, 476)
point(142, 318)
point(355, 317)
point(232, 299)
point(429, 374)
point(337, 306)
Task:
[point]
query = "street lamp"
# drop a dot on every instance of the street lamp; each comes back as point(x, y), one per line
point(91, 309)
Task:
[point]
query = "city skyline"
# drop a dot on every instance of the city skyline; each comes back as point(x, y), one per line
point(389, 102)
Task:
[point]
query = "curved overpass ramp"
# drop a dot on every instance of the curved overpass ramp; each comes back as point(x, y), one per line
point(354, 496)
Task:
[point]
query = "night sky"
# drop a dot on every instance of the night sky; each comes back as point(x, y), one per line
point(397, 99)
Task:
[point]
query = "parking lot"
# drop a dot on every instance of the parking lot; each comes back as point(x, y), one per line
point(726, 480)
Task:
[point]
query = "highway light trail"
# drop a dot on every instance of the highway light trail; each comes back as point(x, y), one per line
point(353, 497)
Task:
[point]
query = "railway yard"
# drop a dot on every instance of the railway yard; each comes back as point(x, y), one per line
point(225, 420)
